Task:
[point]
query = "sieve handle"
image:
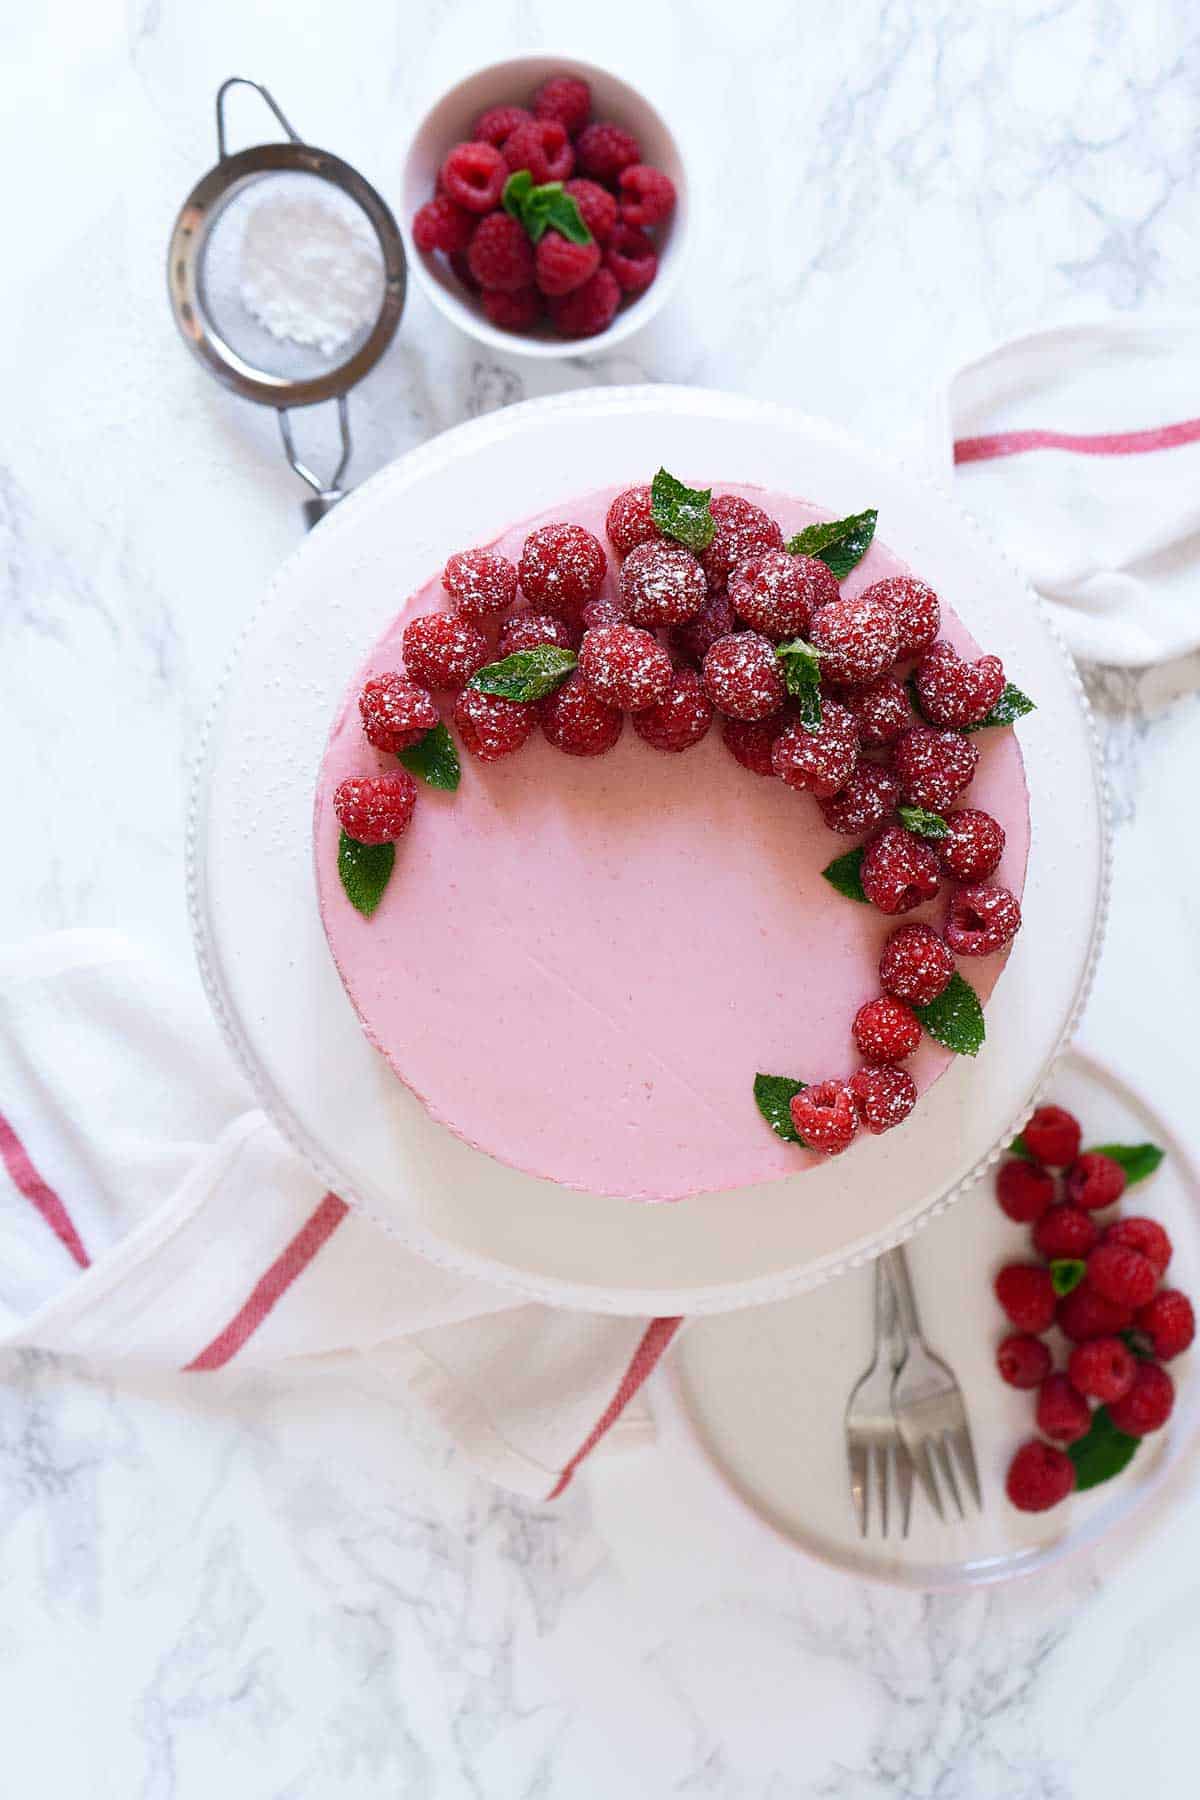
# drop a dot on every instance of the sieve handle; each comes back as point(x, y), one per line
point(263, 93)
point(325, 494)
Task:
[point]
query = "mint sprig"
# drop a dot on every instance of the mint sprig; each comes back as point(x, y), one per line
point(845, 874)
point(365, 870)
point(773, 1095)
point(1103, 1453)
point(1066, 1273)
point(681, 512)
point(1138, 1160)
point(434, 759)
point(839, 543)
point(800, 666)
point(1011, 706)
point(955, 1018)
point(526, 675)
point(1020, 1148)
point(923, 824)
point(540, 209)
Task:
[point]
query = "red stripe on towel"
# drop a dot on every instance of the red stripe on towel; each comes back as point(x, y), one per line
point(19, 1164)
point(290, 1262)
point(1105, 443)
point(654, 1341)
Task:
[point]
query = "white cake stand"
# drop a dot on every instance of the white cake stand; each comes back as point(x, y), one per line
point(280, 1002)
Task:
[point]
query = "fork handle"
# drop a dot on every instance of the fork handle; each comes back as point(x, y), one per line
point(906, 1301)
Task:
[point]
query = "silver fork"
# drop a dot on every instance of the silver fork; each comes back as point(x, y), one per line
point(876, 1453)
point(928, 1405)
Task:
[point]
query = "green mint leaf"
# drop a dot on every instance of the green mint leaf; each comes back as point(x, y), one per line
point(800, 665)
point(845, 874)
point(538, 209)
point(773, 1095)
point(365, 870)
point(1011, 706)
point(1066, 1273)
point(434, 759)
point(1103, 1453)
point(1139, 1344)
point(840, 543)
point(924, 824)
point(955, 1018)
point(564, 215)
point(1020, 1148)
point(681, 512)
point(517, 189)
point(1137, 1160)
point(526, 674)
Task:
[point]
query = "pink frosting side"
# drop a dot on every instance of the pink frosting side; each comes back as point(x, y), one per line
point(580, 965)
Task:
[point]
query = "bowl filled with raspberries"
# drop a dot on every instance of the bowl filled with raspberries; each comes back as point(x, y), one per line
point(545, 206)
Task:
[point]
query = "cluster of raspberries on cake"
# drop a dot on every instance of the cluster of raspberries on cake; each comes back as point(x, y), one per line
point(523, 270)
point(1097, 1283)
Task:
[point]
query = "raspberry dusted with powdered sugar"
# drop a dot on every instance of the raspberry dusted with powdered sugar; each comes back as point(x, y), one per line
point(751, 741)
point(974, 847)
point(1121, 1275)
point(886, 1030)
point(529, 630)
point(1026, 1293)
point(647, 195)
point(625, 667)
point(490, 726)
point(954, 692)
point(934, 766)
point(915, 608)
point(884, 1097)
point(983, 919)
point(882, 710)
point(501, 255)
point(1039, 1477)
point(480, 583)
point(777, 594)
point(742, 530)
point(1095, 1181)
point(899, 871)
point(1062, 1411)
point(1084, 1314)
point(588, 309)
point(376, 809)
point(576, 722)
point(512, 312)
point(443, 650)
point(604, 150)
point(1168, 1322)
point(630, 258)
point(868, 798)
point(818, 760)
point(915, 965)
point(541, 146)
point(741, 676)
point(1148, 1404)
point(1103, 1368)
point(1053, 1134)
point(395, 712)
point(562, 567)
point(1023, 1360)
point(630, 521)
point(1064, 1231)
point(473, 176)
point(442, 225)
point(561, 266)
point(857, 638)
point(691, 642)
point(662, 584)
point(597, 208)
point(566, 98)
point(826, 1117)
point(498, 123)
point(681, 718)
point(1023, 1190)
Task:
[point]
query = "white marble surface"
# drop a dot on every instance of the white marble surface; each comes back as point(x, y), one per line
point(290, 1588)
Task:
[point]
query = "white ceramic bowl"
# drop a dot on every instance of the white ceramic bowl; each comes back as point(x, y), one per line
point(512, 83)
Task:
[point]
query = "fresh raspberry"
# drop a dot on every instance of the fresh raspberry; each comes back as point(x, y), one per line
point(886, 1030)
point(679, 720)
point(480, 583)
point(576, 722)
point(604, 150)
point(954, 692)
point(826, 1117)
point(625, 667)
point(1023, 1190)
point(529, 630)
point(376, 809)
point(1103, 1368)
point(884, 1097)
point(1065, 1231)
point(818, 761)
point(498, 123)
point(589, 309)
point(629, 523)
point(647, 195)
point(513, 312)
point(1083, 1314)
point(1053, 1134)
point(541, 146)
point(1146, 1235)
point(973, 850)
point(857, 639)
point(395, 712)
point(473, 175)
point(691, 642)
point(461, 267)
point(1122, 1275)
point(630, 258)
point(442, 225)
point(899, 871)
point(915, 965)
point(501, 256)
point(443, 650)
point(741, 677)
point(1095, 1181)
point(915, 608)
point(1168, 1322)
point(662, 584)
point(1023, 1361)
point(604, 611)
point(1039, 1477)
point(868, 798)
point(562, 266)
point(883, 710)
point(1062, 1411)
point(751, 741)
point(565, 98)
point(1026, 1293)
point(492, 727)
point(562, 567)
point(597, 208)
point(1147, 1406)
point(777, 594)
point(935, 766)
point(742, 530)
point(982, 920)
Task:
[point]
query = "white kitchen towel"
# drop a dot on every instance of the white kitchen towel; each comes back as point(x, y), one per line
point(1080, 449)
point(150, 1213)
